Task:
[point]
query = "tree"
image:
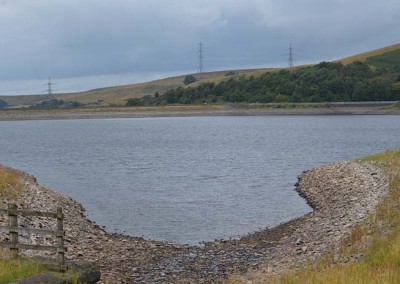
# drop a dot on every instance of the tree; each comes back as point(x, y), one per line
point(3, 104)
point(189, 79)
point(133, 102)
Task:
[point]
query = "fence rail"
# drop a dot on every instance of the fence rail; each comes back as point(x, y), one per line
point(13, 231)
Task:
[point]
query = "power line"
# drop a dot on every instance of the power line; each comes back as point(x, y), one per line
point(291, 56)
point(49, 88)
point(201, 57)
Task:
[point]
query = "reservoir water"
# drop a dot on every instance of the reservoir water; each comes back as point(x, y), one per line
point(189, 179)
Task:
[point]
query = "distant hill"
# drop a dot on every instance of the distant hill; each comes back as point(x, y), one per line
point(119, 95)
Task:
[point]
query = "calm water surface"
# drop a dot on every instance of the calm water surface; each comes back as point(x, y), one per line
point(189, 179)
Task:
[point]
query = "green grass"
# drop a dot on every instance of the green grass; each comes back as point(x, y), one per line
point(365, 55)
point(386, 60)
point(12, 270)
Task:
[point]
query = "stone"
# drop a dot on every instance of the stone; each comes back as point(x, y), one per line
point(299, 241)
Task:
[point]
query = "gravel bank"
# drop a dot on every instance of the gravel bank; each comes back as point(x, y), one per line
point(341, 195)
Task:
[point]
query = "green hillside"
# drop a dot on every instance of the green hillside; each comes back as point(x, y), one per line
point(324, 82)
point(365, 55)
point(386, 60)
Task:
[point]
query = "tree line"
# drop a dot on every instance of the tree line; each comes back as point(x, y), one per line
point(324, 82)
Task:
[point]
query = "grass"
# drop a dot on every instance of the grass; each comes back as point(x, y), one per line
point(11, 185)
point(386, 60)
point(378, 240)
point(365, 55)
point(393, 107)
point(12, 270)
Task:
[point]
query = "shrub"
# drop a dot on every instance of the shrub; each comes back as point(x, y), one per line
point(189, 79)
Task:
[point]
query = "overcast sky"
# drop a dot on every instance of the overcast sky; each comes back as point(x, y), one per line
point(84, 44)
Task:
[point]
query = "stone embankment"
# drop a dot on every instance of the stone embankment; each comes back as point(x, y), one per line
point(341, 195)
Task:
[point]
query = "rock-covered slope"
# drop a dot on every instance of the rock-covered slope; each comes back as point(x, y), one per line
point(341, 195)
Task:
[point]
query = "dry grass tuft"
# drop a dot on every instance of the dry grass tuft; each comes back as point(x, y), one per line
point(11, 185)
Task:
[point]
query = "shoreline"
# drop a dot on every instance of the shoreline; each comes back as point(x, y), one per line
point(340, 194)
point(199, 110)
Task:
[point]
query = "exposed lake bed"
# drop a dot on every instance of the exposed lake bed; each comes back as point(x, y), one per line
point(360, 108)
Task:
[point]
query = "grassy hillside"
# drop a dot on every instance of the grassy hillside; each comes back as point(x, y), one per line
point(119, 95)
point(365, 55)
point(324, 82)
point(386, 60)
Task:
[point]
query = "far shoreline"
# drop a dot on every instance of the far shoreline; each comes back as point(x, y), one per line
point(198, 110)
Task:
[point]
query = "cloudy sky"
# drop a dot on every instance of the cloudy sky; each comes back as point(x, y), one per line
point(85, 44)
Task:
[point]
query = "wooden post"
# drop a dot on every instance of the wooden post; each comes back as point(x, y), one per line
point(60, 238)
point(13, 224)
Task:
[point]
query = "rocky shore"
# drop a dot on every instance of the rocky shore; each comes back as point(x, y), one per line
point(341, 195)
point(202, 110)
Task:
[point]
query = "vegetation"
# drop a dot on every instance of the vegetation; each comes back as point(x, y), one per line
point(3, 104)
point(189, 79)
point(230, 73)
point(55, 103)
point(387, 60)
point(325, 82)
point(11, 185)
point(12, 270)
point(382, 231)
point(365, 55)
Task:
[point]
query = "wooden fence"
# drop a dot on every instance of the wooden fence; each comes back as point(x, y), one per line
point(14, 230)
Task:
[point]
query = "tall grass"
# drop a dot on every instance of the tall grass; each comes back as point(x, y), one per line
point(14, 269)
point(381, 258)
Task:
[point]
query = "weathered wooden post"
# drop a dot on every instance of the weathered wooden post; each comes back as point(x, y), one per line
point(60, 238)
point(13, 224)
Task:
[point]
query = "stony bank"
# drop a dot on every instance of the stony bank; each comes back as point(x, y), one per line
point(341, 195)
